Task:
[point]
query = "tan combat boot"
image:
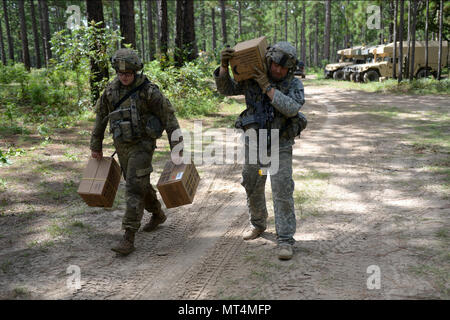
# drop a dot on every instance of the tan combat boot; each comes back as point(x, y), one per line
point(253, 233)
point(155, 220)
point(126, 245)
point(285, 251)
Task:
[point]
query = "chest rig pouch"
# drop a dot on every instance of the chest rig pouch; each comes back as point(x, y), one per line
point(124, 123)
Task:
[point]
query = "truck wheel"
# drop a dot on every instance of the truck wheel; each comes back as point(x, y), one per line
point(370, 76)
point(423, 73)
point(338, 75)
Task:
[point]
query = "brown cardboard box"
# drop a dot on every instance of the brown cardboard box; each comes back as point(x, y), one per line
point(247, 55)
point(177, 184)
point(100, 181)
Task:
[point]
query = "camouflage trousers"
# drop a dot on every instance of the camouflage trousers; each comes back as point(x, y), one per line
point(282, 194)
point(136, 163)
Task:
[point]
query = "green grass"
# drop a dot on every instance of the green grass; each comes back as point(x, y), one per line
point(418, 87)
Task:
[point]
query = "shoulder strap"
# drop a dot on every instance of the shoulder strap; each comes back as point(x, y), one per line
point(129, 93)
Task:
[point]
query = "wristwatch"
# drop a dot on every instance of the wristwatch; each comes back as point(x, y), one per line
point(268, 88)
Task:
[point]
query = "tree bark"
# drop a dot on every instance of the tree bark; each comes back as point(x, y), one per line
point(303, 35)
point(286, 20)
point(127, 23)
point(426, 35)
point(394, 64)
point(2, 46)
point(189, 42)
point(178, 52)
point(202, 22)
point(413, 37)
point(240, 18)
point(151, 33)
point(326, 44)
point(141, 23)
point(381, 24)
point(224, 22)
point(46, 31)
point(35, 35)
point(441, 10)
point(316, 39)
point(164, 37)
point(400, 39)
point(408, 54)
point(94, 10)
point(213, 23)
point(8, 32)
point(23, 35)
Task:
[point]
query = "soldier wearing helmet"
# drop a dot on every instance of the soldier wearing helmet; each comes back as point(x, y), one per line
point(282, 95)
point(137, 113)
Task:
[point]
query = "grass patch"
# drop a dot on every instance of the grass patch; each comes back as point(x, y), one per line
point(419, 87)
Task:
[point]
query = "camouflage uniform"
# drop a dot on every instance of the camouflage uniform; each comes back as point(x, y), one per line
point(288, 99)
point(135, 156)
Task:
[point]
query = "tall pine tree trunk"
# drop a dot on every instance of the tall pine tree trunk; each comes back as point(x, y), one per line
point(441, 16)
point(23, 35)
point(178, 51)
point(224, 22)
point(286, 6)
point(94, 10)
point(141, 23)
point(2, 46)
point(151, 33)
point(8, 32)
point(114, 19)
point(189, 41)
point(326, 44)
point(303, 36)
point(240, 18)
point(46, 31)
point(394, 64)
point(426, 35)
point(35, 35)
point(213, 23)
point(164, 36)
point(400, 39)
point(127, 23)
point(413, 37)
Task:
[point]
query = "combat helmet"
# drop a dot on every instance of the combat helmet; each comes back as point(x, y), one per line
point(282, 53)
point(126, 59)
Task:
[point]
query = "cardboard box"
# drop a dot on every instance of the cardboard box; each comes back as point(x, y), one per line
point(100, 181)
point(177, 184)
point(248, 55)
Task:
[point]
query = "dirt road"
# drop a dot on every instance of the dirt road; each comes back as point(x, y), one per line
point(372, 222)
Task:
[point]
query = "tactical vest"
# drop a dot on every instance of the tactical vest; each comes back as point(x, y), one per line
point(127, 123)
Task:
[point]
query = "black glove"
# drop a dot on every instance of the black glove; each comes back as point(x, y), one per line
point(225, 56)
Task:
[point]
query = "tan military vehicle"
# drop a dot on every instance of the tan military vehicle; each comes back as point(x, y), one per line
point(348, 57)
point(381, 67)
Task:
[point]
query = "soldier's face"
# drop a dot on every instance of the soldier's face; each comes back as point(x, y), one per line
point(126, 77)
point(277, 71)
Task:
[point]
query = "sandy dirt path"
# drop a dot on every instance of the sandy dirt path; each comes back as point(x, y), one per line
point(365, 207)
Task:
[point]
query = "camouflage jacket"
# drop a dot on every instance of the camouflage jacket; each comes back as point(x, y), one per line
point(150, 101)
point(289, 97)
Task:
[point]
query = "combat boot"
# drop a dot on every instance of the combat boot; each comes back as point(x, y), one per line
point(285, 251)
point(155, 220)
point(126, 245)
point(253, 233)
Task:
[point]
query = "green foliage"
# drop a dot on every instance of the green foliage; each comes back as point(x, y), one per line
point(189, 88)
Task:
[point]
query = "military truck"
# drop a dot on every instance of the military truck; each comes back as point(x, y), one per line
point(382, 66)
point(349, 71)
point(348, 57)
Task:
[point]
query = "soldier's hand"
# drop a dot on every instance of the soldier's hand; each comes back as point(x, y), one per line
point(261, 78)
point(225, 56)
point(97, 155)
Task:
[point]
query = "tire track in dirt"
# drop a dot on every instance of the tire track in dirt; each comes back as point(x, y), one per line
point(163, 255)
